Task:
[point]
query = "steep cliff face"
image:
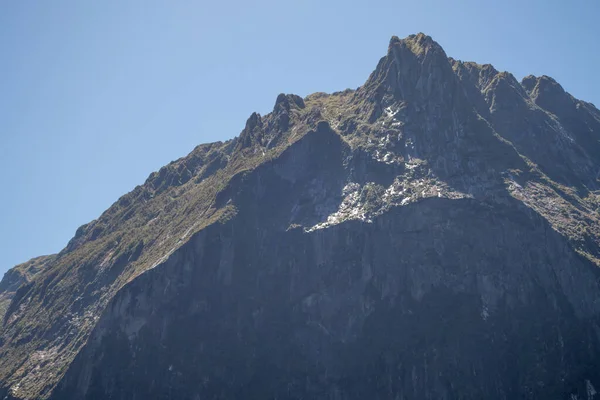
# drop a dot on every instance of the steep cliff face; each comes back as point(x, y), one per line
point(432, 234)
point(439, 299)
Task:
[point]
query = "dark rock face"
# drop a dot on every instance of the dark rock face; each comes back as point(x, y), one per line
point(436, 300)
point(432, 235)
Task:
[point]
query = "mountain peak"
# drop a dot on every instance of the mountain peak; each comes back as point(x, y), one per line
point(415, 69)
point(419, 44)
point(547, 93)
point(394, 39)
point(286, 101)
point(313, 255)
point(251, 132)
point(529, 82)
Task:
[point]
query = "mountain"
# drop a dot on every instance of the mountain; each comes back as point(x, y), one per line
point(433, 234)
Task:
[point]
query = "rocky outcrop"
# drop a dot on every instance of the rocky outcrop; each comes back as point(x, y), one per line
point(433, 234)
point(19, 277)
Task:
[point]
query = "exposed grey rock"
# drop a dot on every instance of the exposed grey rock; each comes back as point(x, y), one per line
point(433, 234)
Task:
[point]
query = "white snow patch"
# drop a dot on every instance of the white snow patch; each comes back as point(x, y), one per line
point(387, 158)
point(352, 187)
point(392, 192)
point(391, 113)
point(350, 208)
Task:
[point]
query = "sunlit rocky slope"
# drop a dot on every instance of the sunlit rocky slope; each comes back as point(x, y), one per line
point(433, 234)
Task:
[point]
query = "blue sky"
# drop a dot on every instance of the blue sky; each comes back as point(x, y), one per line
point(94, 96)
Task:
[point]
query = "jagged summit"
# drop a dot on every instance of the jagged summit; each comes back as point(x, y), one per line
point(434, 233)
point(286, 101)
point(418, 41)
point(411, 67)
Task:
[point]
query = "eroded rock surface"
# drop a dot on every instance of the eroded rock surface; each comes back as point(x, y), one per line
point(432, 234)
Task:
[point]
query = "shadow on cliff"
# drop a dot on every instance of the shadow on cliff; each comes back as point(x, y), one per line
point(440, 299)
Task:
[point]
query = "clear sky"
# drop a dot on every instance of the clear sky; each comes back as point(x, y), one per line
point(95, 95)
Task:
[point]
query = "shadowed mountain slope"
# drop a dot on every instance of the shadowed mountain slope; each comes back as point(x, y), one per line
point(433, 234)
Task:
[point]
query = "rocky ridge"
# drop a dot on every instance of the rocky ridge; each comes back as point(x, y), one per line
point(407, 239)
